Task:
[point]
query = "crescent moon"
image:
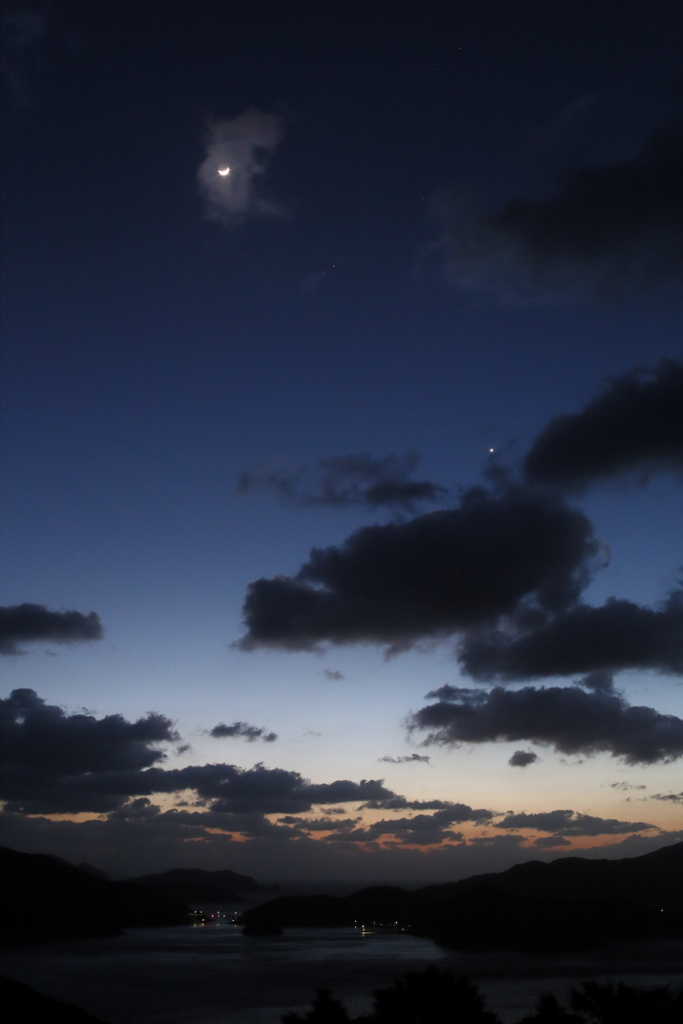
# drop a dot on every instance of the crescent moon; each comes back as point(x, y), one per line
point(224, 171)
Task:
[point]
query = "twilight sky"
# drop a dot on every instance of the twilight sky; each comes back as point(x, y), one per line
point(342, 434)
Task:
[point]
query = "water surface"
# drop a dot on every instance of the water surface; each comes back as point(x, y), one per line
point(215, 975)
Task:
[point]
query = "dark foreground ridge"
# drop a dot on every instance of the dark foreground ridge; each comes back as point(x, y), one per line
point(430, 996)
point(433, 996)
point(194, 885)
point(32, 1006)
point(44, 899)
point(570, 903)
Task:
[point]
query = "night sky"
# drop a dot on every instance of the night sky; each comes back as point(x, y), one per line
point(342, 490)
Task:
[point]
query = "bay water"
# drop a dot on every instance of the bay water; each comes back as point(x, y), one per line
point(212, 974)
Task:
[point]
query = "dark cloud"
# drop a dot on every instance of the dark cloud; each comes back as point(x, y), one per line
point(346, 480)
point(625, 786)
point(446, 692)
point(406, 759)
point(233, 790)
point(499, 841)
point(523, 758)
point(636, 425)
point(420, 830)
point(319, 824)
point(237, 729)
point(569, 823)
point(45, 751)
point(603, 230)
point(599, 679)
point(450, 812)
point(618, 635)
point(428, 577)
point(333, 675)
point(54, 762)
point(549, 842)
point(29, 623)
point(674, 798)
point(567, 718)
point(126, 846)
point(135, 809)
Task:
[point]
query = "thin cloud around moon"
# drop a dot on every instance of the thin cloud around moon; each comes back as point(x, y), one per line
point(238, 151)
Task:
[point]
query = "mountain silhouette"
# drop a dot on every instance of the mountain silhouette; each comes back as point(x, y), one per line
point(571, 903)
point(44, 898)
point(194, 885)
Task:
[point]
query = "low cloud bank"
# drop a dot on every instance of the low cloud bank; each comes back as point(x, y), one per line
point(32, 623)
point(53, 762)
point(126, 846)
point(59, 763)
point(420, 829)
point(569, 823)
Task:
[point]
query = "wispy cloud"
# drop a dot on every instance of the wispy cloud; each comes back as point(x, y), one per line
point(23, 33)
point(406, 759)
point(674, 798)
point(244, 730)
point(237, 155)
point(600, 232)
point(342, 480)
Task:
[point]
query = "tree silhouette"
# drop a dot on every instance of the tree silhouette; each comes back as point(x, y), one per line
point(433, 996)
point(549, 1011)
point(607, 1003)
point(430, 997)
point(325, 1010)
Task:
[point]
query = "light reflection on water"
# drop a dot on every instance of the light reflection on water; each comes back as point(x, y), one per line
point(212, 974)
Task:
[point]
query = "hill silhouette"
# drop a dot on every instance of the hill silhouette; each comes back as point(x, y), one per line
point(570, 903)
point(45, 898)
point(654, 879)
point(194, 885)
